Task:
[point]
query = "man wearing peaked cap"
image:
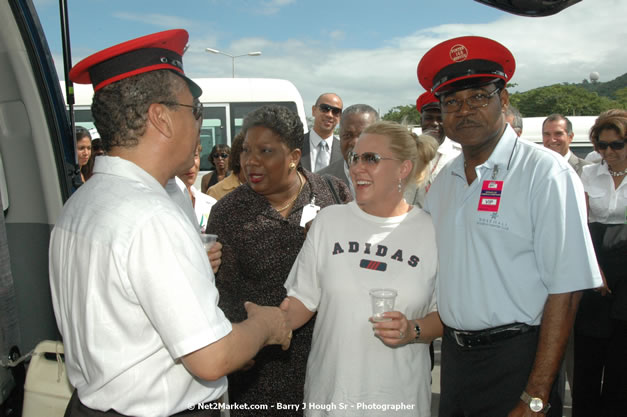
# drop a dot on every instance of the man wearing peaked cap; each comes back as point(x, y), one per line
point(514, 247)
point(131, 283)
point(431, 122)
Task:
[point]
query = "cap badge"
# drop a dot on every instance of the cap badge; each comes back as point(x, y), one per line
point(458, 53)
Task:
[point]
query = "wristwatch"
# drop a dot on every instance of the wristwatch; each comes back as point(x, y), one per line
point(535, 404)
point(417, 329)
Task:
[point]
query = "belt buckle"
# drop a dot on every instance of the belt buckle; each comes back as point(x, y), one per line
point(459, 341)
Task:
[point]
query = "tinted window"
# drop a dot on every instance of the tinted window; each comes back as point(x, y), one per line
point(213, 131)
point(240, 110)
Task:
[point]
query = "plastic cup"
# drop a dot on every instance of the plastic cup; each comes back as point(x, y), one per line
point(382, 302)
point(208, 240)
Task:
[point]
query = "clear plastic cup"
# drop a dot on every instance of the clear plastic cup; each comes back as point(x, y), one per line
point(382, 302)
point(208, 240)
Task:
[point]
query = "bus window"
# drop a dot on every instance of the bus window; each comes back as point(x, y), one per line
point(83, 118)
point(213, 131)
point(240, 110)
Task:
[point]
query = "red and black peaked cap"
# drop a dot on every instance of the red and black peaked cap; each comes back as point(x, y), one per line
point(427, 100)
point(464, 62)
point(162, 50)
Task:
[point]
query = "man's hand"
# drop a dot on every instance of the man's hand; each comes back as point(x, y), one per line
point(275, 320)
point(215, 256)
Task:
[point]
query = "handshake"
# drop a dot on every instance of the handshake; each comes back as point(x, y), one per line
point(274, 322)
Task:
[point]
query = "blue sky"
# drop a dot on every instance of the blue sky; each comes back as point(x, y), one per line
point(366, 51)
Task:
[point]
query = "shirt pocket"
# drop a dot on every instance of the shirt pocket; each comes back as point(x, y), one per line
point(598, 202)
point(595, 192)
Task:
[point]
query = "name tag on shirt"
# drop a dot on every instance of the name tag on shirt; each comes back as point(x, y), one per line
point(490, 198)
point(309, 213)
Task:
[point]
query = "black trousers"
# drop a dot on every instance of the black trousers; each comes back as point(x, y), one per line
point(600, 383)
point(486, 381)
point(76, 409)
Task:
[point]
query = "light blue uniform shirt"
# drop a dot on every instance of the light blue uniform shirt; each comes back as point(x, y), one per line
point(499, 267)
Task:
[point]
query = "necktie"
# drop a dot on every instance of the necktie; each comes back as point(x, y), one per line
point(323, 158)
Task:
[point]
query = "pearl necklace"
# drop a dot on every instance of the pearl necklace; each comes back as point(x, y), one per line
point(289, 203)
point(617, 173)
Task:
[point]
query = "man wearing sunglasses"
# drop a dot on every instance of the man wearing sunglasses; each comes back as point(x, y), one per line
point(132, 287)
point(557, 135)
point(513, 243)
point(320, 147)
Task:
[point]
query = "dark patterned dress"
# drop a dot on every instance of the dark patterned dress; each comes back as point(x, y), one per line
point(259, 248)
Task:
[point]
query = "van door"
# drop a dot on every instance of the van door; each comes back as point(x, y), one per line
point(38, 157)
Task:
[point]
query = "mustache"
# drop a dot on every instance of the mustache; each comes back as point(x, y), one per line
point(466, 122)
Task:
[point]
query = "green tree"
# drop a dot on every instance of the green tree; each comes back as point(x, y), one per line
point(621, 97)
point(403, 114)
point(569, 100)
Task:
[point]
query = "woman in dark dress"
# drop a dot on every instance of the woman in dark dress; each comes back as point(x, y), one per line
point(219, 158)
point(259, 226)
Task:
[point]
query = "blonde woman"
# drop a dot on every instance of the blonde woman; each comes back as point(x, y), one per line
point(377, 241)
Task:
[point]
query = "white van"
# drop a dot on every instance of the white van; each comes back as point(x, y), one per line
point(581, 146)
point(226, 101)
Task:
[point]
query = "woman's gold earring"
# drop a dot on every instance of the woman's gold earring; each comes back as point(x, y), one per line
point(292, 165)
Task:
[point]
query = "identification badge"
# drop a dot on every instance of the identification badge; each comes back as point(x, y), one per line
point(490, 196)
point(309, 213)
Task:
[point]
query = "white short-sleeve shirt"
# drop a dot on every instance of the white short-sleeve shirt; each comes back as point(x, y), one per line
point(133, 292)
point(606, 204)
point(348, 252)
point(498, 267)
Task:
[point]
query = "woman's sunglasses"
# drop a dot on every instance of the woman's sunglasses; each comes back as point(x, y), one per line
point(617, 146)
point(368, 158)
point(220, 155)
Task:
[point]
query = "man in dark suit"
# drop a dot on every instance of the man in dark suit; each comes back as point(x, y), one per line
point(320, 147)
point(354, 119)
point(557, 134)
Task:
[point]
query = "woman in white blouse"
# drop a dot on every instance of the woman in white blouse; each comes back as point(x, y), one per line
point(600, 385)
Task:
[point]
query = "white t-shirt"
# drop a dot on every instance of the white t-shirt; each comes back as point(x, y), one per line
point(606, 204)
point(350, 372)
point(133, 291)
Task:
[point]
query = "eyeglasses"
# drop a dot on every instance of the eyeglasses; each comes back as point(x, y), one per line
point(325, 108)
point(368, 158)
point(220, 155)
point(197, 107)
point(617, 146)
point(477, 101)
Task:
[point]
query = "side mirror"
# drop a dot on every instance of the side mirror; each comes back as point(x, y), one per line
point(530, 8)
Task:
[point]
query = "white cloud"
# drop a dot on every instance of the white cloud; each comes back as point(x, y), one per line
point(337, 35)
point(270, 7)
point(164, 21)
point(562, 48)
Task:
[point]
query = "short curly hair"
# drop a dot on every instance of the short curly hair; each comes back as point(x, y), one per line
point(281, 120)
point(615, 119)
point(120, 109)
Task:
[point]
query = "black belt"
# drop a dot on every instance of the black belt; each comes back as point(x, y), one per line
point(488, 336)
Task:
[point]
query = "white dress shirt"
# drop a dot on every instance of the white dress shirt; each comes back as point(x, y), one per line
point(314, 142)
point(498, 267)
point(606, 204)
point(133, 292)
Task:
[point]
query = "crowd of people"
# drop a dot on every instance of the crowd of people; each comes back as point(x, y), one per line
point(496, 245)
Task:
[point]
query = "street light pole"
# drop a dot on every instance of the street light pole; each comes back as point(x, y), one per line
point(215, 51)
